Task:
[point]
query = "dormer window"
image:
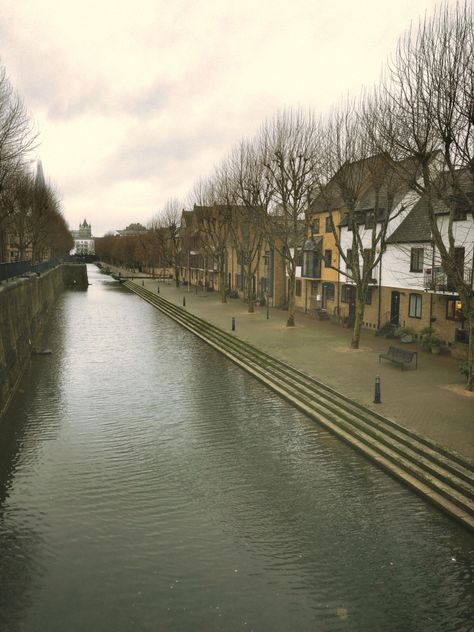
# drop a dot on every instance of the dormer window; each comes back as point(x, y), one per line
point(315, 227)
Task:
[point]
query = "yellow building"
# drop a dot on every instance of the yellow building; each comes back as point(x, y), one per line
point(319, 284)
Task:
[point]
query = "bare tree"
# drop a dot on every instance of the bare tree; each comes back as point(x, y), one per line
point(252, 195)
point(212, 223)
point(361, 185)
point(17, 138)
point(289, 143)
point(169, 219)
point(426, 111)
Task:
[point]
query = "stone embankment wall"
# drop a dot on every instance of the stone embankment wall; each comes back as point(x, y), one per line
point(24, 307)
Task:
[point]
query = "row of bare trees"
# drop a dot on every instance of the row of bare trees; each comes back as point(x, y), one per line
point(30, 208)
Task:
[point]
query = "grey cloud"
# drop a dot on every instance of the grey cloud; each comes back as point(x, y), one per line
point(46, 78)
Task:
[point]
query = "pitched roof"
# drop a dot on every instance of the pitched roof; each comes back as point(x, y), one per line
point(415, 227)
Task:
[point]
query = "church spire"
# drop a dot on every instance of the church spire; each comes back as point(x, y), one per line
point(39, 178)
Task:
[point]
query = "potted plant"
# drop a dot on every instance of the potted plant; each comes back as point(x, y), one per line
point(430, 341)
point(435, 344)
point(404, 333)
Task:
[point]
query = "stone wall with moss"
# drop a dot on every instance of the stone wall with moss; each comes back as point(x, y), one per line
point(25, 304)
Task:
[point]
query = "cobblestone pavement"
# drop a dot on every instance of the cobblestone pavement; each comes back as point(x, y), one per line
point(430, 400)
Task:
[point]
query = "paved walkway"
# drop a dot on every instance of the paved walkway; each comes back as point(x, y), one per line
point(430, 400)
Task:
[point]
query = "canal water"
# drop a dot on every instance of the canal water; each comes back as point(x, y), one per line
point(147, 483)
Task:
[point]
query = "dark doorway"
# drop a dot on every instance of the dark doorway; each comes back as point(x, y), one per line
point(395, 308)
point(348, 295)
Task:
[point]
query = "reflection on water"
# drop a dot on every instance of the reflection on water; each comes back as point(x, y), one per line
point(147, 483)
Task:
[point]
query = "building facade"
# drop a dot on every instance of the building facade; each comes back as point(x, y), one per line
point(84, 242)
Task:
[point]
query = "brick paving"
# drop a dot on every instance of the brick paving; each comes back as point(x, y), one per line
point(430, 400)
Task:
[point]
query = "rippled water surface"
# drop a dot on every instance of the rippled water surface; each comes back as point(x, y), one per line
point(147, 483)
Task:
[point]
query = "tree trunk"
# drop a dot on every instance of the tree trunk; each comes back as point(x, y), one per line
point(176, 275)
point(470, 350)
point(359, 317)
point(251, 302)
point(223, 287)
point(291, 300)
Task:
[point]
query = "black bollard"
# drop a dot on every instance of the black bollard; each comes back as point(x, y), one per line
point(377, 399)
point(268, 310)
point(233, 323)
point(184, 301)
point(143, 283)
point(158, 290)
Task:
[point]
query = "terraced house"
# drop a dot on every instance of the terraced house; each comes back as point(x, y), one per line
point(226, 249)
point(319, 285)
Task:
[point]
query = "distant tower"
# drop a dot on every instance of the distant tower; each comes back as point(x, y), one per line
point(39, 178)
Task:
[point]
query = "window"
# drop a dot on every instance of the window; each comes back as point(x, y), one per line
point(459, 259)
point(328, 291)
point(315, 227)
point(314, 288)
point(414, 306)
point(461, 208)
point(454, 309)
point(327, 258)
point(298, 288)
point(346, 293)
point(312, 264)
point(417, 256)
point(349, 257)
point(369, 219)
point(328, 224)
point(368, 296)
point(299, 259)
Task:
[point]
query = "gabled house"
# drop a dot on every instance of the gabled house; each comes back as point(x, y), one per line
point(419, 292)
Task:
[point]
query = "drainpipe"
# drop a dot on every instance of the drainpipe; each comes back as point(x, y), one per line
point(380, 291)
point(339, 293)
point(432, 278)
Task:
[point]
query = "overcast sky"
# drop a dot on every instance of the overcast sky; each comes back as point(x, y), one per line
point(135, 100)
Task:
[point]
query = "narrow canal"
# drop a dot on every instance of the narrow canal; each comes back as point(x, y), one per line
point(147, 483)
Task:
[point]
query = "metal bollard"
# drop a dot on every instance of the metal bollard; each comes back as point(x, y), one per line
point(143, 283)
point(233, 323)
point(184, 301)
point(158, 290)
point(377, 399)
point(268, 310)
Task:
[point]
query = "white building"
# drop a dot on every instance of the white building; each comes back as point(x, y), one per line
point(84, 242)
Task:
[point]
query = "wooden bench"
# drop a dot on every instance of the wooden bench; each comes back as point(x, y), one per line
point(400, 356)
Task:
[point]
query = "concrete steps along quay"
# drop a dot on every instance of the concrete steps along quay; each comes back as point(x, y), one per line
point(442, 477)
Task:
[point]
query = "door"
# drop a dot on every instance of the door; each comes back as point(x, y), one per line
point(395, 308)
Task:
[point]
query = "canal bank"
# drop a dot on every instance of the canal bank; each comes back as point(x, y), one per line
point(25, 305)
point(439, 474)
